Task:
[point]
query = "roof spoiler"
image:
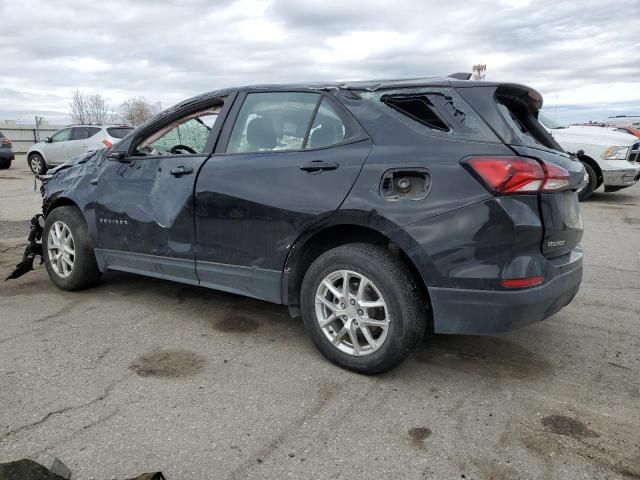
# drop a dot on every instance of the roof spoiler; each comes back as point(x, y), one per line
point(460, 76)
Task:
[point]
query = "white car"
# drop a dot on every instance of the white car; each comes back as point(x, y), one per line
point(610, 158)
point(71, 141)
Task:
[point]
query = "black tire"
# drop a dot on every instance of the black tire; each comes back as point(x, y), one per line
point(591, 186)
point(5, 164)
point(405, 305)
point(37, 164)
point(84, 272)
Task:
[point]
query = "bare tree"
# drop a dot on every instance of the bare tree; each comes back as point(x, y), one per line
point(78, 108)
point(99, 111)
point(137, 110)
point(89, 109)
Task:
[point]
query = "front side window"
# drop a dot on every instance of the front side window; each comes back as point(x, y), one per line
point(61, 136)
point(186, 135)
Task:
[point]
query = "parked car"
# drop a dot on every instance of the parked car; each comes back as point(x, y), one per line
point(377, 211)
point(71, 141)
point(609, 157)
point(6, 151)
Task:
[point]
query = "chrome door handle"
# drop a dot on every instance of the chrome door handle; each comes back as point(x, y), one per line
point(181, 170)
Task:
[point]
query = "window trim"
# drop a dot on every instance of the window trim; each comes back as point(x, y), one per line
point(230, 120)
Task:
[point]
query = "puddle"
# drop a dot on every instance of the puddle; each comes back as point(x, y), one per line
point(418, 435)
point(168, 364)
point(567, 426)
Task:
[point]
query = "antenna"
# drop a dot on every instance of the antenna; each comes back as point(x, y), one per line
point(479, 71)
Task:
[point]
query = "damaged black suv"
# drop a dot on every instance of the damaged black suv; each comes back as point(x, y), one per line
point(378, 211)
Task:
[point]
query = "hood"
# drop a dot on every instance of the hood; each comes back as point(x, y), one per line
point(593, 135)
point(77, 160)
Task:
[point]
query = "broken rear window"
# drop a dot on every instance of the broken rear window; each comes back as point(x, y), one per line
point(434, 110)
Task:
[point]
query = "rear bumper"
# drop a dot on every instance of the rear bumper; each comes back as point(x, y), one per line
point(625, 177)
point(6, 154)
point(479, 312)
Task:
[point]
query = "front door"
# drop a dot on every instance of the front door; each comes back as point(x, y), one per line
point(144, 208)
point(288, 160)
point(55, 150)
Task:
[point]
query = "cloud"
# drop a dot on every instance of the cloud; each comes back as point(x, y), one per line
point(583, 56)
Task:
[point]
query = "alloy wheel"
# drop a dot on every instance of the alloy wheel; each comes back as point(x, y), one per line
point(352, 313)
point(61, 249)
point(35, 163)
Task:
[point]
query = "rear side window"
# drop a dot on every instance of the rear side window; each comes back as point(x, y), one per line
point(79, 133)
point(417, 107)
point(91, 131)
point(119, 132)
point(436, 111)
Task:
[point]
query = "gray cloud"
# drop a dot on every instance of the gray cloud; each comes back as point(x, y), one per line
point(583, 56)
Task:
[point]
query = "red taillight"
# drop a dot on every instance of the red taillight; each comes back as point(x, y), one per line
point(107, 143)
point(6, 141)
point(521, 282)
point(556, 178)
point(517, 175)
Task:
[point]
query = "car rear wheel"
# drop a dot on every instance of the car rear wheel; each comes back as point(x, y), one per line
point(37, 164)
point(586, 191)
point(67, 250)
point(362, 308)
point(4, 164)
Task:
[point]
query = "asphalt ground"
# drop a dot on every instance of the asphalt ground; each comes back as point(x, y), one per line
point(142, 375)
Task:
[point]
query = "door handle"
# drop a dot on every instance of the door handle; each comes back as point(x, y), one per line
point(181, 170)
point(318, 166)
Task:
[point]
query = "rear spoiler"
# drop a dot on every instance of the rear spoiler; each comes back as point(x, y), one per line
point(460, 76)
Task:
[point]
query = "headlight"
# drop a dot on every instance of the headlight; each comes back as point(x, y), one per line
point(615, 153)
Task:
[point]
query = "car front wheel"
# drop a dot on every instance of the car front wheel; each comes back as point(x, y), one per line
point(586, 191)
point(67, 251)
point(37, 164)
point(362, 308)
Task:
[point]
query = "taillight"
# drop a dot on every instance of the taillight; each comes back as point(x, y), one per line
point(6, 141)
point(107, 143)
point(556, 178)
point(518, 175)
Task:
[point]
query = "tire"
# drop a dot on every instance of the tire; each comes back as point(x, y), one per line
point(390, 280)
point(83, 271)
point(591, 186)
point(37, 164)
point(6, 164)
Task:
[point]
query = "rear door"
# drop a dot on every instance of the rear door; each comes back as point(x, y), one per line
point(284, 161)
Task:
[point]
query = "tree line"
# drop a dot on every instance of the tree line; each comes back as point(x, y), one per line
point(93, 110)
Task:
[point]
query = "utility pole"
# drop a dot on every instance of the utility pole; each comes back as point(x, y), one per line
point(479, 71)
point(38, 123)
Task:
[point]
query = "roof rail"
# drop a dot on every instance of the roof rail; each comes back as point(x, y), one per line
point(460, 76)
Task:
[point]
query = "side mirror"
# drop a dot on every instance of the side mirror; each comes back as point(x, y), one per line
point(117, 156)
point(47, 139)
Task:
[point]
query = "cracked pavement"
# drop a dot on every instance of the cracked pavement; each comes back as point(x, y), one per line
point(143, 375)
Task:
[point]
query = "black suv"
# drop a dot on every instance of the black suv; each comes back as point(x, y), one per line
point(6, 151)
point(377, 210)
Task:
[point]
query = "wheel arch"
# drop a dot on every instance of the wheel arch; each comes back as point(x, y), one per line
point(313, 244)
point(593, 164)
point(39, 152)
point(59, 202)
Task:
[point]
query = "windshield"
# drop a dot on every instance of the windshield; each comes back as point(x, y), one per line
point(547, 122)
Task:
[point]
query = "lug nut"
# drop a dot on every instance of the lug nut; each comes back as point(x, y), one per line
point(342, 305)
point(360, 312)
point(352, 302)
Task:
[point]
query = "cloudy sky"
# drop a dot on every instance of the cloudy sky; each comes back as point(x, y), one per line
point(583, 55)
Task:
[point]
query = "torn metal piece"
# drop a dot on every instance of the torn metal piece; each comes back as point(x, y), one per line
point(34, 248)
point(60, 469)
point(26, 469)
point(150, 476)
